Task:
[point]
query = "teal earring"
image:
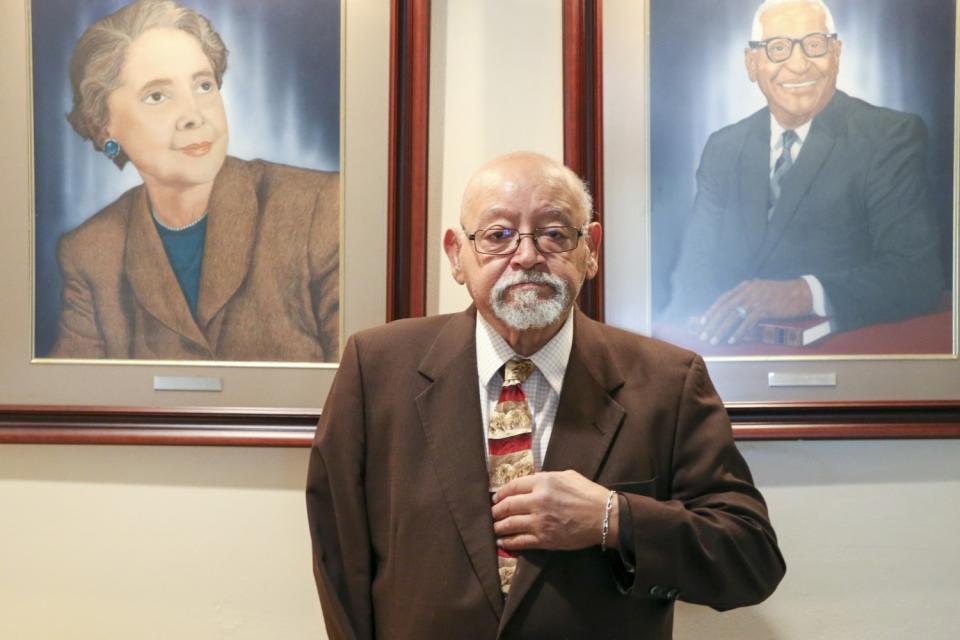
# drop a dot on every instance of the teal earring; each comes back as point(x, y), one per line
point(111, 148)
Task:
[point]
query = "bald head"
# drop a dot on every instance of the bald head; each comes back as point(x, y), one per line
point(756, 32)
point(526, 167)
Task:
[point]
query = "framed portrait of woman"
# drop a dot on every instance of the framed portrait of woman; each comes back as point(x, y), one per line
point(200, 204)
point(192, 190)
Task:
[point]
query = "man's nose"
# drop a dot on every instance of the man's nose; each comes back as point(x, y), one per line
point(527, 253)
point(798, 60)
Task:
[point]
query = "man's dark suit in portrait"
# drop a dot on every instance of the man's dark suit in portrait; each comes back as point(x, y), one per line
point(625, 492)
point(815, 205)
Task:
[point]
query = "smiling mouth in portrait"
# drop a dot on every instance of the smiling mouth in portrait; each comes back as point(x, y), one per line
point(799, 85)
point(197, 149)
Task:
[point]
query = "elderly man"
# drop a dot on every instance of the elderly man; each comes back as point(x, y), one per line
point(519, 470)
point(814, 206)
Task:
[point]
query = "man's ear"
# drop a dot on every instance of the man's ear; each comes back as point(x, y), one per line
point(594, 236)
point(451, 246)
point(750, 61)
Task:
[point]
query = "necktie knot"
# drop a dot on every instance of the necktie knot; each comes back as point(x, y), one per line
point(788, 138)
point(516, 371)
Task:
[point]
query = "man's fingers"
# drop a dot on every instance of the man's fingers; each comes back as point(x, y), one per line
point(725, 301)
point(746, 328)
point(519, 542)
point(523, 484)
point(512, 505)
point(721, 327)
point(514, 525)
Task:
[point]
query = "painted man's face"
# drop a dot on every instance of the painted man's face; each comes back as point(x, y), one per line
point(798, 88)
point(167, 114)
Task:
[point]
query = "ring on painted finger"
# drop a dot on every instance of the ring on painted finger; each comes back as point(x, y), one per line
point(742, 312)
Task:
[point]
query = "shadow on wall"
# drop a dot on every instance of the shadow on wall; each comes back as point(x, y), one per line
point(694, 622)
point(213, 467)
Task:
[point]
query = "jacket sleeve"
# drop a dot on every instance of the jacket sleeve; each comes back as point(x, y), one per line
point(78, 334)
point(697, 279)
point(902, 277)
point(336, 506)
point(325, 265)
point(711, 542)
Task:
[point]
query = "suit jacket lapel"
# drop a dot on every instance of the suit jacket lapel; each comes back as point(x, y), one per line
point(587, 420)
point(150, 275)
point(231, 232)
point(798, 180)
point(451, 419)
point(755, 180)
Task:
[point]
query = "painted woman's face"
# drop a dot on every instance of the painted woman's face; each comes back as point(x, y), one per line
point(167, 114)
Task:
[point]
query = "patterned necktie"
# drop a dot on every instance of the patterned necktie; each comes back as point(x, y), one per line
point(509, 440)
point(780, 168)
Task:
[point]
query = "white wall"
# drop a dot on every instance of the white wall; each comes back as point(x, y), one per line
point(496, 86)
point(124, 543)
point(869, 533)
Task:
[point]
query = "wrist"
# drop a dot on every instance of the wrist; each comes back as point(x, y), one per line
point(610, 525)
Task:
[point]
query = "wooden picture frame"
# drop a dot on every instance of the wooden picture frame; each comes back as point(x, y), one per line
point(274, 404)
point(871, 402)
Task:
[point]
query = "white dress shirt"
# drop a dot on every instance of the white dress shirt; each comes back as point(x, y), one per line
point(542, 388)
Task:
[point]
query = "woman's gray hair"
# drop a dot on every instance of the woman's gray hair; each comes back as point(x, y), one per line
point(98, 59)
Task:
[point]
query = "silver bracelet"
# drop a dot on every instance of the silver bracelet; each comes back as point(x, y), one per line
point(606, 521)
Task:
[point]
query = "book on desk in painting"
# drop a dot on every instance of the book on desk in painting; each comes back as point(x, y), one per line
point(793, 333)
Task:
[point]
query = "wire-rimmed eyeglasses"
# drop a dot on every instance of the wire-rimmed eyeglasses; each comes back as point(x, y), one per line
point(780, 48)
point(499, 241)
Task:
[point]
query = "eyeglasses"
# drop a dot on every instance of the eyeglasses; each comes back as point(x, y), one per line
point(499, 241)
point(779, 48)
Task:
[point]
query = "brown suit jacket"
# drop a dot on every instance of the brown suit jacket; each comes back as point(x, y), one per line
point(400, 513)
point(269, 285)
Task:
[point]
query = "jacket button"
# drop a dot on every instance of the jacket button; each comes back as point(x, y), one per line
point(664, 593)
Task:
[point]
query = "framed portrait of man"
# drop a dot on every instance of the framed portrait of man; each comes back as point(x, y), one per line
point(792, 209)
point(862, 220)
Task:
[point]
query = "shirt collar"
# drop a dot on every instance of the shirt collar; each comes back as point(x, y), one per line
point(776, 133)
point(551, 359)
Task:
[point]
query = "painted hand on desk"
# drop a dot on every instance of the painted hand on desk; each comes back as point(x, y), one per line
point(733, 315)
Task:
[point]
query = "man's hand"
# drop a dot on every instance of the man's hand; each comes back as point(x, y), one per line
point(558, 510)
point(733, 315)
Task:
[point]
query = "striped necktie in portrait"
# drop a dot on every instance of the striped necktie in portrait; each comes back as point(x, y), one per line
point(780, 168)
point(509, 441)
